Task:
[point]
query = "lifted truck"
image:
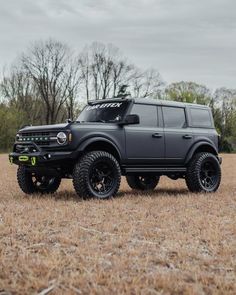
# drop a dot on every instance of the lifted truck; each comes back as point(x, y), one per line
point(141, 139)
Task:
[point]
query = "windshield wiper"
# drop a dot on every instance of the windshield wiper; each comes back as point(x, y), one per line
point(114, 121)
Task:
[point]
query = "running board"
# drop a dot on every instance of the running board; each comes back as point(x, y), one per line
point(154, 169)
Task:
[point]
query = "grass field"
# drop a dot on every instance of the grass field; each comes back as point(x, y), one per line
point(166, 242)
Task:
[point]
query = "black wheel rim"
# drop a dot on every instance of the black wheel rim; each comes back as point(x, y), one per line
point(209, 175)
point(42, 182)
point(102, 178)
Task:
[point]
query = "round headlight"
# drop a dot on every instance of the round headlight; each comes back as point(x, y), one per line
point(61, 138)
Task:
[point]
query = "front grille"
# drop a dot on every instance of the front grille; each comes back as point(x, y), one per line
point(44, 138)
point(36, 133)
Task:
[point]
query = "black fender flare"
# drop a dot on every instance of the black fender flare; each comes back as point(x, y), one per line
point(92, 140)
point(196, 146)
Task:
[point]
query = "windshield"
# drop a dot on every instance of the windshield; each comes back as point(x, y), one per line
point(104, 112)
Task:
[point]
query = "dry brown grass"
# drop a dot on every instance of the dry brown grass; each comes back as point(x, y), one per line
point(166, 242)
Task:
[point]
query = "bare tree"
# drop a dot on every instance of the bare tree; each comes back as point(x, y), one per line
point(20, 92)
point(84, 64)
point(73, 89)
point(104, 70)
point(121, 75)
point(146, 83)
point(56, 76)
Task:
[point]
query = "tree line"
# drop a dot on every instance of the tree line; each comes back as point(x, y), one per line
point(49, 83)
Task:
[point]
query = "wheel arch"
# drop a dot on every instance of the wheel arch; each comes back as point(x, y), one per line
point(201, 147)
point(102, 144)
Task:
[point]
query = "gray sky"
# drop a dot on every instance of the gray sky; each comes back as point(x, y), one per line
point(183, 39)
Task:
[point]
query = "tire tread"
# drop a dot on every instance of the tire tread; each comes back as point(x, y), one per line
point(192, 178)
point(24, 179)
point(81, 175)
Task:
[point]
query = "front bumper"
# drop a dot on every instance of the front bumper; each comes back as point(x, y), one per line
point(40, 157)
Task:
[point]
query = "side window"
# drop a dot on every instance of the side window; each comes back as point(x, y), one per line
point(200, 117)
point(147, 114)
point(174, 117)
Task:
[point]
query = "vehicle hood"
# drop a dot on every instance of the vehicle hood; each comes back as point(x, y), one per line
point(45, 127)
point(72, 125)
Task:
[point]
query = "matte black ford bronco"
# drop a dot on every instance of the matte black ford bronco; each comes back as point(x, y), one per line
point(142, 139)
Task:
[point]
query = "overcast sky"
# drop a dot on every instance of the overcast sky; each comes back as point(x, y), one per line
point(183, 39)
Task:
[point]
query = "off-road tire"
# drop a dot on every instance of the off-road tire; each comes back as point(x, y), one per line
point(82, 179)
point(142, 182)
point(27, 185)
point(194, 178)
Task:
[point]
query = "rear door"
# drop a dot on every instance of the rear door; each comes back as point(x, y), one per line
point(178, 136)
point(145, 141)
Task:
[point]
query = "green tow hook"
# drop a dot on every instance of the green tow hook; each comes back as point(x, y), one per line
point(23, 158)
point(33, 161)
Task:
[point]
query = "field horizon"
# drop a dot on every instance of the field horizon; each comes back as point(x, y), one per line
point(168, 241)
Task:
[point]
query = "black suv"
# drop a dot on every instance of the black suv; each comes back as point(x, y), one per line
point(142, 139)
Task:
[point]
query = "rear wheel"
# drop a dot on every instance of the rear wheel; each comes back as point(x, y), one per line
point(142, 182)
point(31, 183)
point(203, 173)
point(97, 174)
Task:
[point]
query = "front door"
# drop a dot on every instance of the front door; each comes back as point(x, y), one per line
point(145, 141)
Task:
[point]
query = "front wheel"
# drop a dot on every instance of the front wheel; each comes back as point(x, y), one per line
point(203, 173)
point(97, 174)
point(31, 183)
point(142, 182)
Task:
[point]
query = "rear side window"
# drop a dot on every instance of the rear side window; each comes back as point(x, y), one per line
point(174, 117)
point(200, 117)
point(147, 114)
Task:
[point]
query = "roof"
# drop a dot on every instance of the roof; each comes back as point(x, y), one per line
point(150, 101)
point(166, 102)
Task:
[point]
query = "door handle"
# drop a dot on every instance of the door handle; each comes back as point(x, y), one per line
point(157, 135)
point(187, 136)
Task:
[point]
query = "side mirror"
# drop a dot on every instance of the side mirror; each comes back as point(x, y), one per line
point(131, 119)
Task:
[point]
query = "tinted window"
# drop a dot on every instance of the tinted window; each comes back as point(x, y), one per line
point(174, 117)
point(147, 114)
point(200, 117)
